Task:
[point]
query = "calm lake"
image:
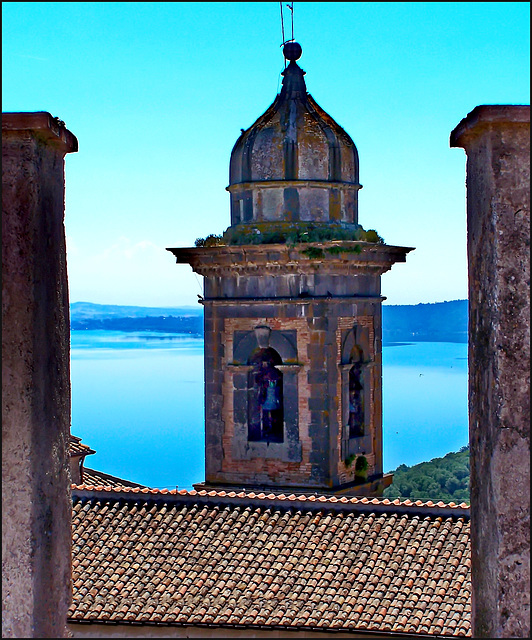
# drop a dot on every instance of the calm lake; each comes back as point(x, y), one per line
point(137, 399)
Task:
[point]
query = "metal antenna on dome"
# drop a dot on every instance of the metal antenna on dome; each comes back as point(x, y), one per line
point(290, 6)
point(282, 28)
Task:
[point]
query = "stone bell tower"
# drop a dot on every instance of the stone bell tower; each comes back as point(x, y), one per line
point(292, 301)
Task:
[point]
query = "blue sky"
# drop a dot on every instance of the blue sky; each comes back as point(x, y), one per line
point(157, 93)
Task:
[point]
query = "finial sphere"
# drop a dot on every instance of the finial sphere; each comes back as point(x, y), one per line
point(292, 51)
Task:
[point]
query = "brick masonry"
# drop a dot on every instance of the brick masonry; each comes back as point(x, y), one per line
point(318, 456)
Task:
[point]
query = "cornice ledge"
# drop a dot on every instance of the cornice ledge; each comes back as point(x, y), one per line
point(281, 257)
point(485, 116)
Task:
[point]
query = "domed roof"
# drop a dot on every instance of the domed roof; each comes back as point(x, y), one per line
point(295, 163)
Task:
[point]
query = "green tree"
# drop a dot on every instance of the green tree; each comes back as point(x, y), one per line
point(445, 479)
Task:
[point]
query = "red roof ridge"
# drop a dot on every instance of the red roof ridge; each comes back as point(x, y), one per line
point(382, 504)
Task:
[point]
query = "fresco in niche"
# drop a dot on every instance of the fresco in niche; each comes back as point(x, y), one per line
point(265, 394)
point(356, 395)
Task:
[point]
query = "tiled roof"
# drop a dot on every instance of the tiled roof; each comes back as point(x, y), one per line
point(98, 478)
point(292, 562)
point(93, 477)
point(77, 448)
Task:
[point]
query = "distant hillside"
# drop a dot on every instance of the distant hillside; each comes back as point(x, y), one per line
point(86, 315)
point(433, 322)
point(89, 310)
point(444, 479)
point(164, 324)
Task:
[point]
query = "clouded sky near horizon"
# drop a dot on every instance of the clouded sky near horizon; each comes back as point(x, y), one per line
point(157, 93)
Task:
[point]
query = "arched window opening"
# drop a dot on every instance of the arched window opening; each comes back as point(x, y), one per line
point(357, 427)
point(265, 394)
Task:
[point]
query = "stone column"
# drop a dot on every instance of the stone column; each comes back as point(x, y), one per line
point(36, 504)
point(496, 140)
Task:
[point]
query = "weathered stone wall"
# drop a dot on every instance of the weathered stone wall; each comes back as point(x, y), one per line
point(497, 143)
point(294, 200)
point(36, 505)
point(311, 455)
point(295, 163)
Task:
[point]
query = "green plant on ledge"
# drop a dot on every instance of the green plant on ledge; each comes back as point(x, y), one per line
point(361, 467)
point(313, 252)
point(210, 241)
point(349, 460)
point(335, 251)
point(292, 233)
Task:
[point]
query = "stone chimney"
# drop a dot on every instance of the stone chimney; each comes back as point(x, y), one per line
point(78, 453)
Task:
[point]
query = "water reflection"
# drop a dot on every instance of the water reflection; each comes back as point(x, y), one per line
point(137, 398)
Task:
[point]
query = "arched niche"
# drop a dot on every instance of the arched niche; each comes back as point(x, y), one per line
point(245, 343)
point(356, 371)
point(265, 405)
point(265, 397)
point(356, 421)
point(357, 340)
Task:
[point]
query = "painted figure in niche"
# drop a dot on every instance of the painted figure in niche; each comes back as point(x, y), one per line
point(266, 398)
point(356, 397)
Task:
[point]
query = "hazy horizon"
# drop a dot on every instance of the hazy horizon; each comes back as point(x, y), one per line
point(180, 306)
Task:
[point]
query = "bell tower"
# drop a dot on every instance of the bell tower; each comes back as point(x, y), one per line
point(292, 310)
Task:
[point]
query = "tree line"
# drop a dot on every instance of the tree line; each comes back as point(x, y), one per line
point(168, 324)
point(444, 479)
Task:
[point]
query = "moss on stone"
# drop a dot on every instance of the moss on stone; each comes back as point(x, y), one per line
point(292, 233)
point(349, 460)
point(335, 251)
point(313, 252)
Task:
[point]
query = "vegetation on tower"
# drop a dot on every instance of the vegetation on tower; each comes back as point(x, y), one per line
point(290, 233)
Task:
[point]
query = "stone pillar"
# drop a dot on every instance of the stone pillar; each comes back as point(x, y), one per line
point(36, 504)
point(496, 140)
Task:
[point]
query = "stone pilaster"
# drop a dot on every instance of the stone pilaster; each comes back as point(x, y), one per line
point(36, 505)
point(496, 140)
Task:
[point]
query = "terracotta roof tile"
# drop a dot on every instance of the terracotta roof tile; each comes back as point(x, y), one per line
point(77, 448)
point(178, 557)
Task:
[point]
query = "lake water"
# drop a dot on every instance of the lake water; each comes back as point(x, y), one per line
point(137, 399)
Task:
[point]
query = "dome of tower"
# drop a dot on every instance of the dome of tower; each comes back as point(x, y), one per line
point(295, 163)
